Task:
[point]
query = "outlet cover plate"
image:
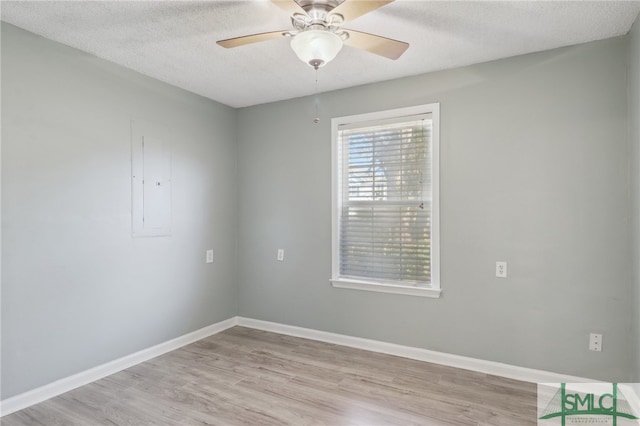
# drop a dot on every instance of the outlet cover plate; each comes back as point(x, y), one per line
point(595, 342)
point(501, 269)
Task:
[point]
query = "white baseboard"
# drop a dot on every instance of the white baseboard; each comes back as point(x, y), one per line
point(34, 396)
point(466, 363)
point(66, 384)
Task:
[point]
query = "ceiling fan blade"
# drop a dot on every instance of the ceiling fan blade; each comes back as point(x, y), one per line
point(290, 6)
point(351, 9)
point(382, 46)
point(248, 39)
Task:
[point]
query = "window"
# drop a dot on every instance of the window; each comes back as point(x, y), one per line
point(385, 201)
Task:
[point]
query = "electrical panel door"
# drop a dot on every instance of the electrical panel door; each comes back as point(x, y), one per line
point(151, 180)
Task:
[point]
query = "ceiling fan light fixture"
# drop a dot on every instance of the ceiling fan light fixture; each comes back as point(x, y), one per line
point(316, 47)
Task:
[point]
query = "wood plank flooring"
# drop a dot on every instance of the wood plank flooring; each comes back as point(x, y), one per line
point(244, 376)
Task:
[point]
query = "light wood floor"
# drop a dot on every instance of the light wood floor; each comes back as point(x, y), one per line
point(249, 377)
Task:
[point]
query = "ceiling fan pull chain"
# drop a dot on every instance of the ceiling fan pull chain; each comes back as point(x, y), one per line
point(316, 120)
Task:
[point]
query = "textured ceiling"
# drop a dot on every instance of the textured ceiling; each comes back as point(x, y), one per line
point(176, 41)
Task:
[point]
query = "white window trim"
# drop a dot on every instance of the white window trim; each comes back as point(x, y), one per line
point(434, 290)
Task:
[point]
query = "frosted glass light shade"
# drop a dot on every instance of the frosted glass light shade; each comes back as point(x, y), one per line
point(316, 47)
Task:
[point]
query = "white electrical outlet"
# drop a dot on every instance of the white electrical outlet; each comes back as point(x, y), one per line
point(501, 269)
point(210, 256)
point(280, 257)
point(595, 342)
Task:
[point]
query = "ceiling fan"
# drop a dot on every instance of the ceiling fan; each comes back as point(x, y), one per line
point(317, 34)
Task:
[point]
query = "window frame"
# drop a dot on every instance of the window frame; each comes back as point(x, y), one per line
point(433, 289)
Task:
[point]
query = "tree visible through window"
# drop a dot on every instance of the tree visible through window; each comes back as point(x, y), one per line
point(384, 198)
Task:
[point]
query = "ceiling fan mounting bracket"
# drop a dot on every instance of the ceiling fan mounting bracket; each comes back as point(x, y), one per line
point(313, 7)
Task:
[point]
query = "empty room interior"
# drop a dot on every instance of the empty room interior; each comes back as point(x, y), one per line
point(337, 212)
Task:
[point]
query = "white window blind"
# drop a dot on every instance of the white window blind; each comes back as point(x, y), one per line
point(385, 190)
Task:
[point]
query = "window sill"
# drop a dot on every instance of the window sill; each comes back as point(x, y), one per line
point(386, 288)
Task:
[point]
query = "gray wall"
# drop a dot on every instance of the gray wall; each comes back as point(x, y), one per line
point(634, 138)
point(77, 290)
point(534, 171)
